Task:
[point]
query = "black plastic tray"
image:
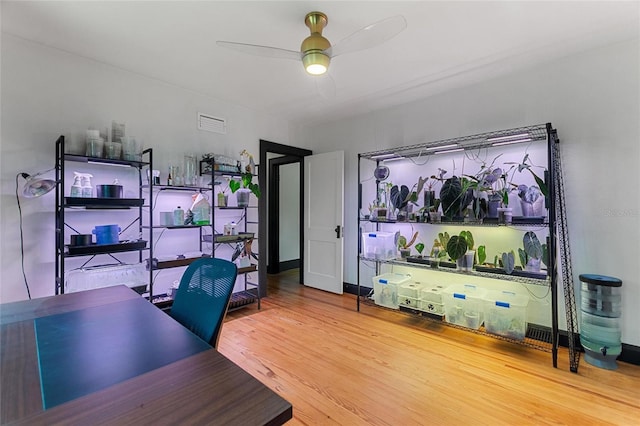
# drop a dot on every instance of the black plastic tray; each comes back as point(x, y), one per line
point(105, 248)
point(535, 220)
point(426, 261)
point(518, 272)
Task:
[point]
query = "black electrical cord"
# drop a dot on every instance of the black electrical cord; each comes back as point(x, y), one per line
point(26, 283)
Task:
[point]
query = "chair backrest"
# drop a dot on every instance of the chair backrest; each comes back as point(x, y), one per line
point(202, 299)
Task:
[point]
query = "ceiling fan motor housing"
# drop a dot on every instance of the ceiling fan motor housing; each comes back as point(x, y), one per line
point(314, 59)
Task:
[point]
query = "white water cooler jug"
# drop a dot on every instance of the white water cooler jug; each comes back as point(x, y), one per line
point(600, 332)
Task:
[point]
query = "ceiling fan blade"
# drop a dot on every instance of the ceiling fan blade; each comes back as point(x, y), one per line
point(325, 85)
point(266, 51)
point(369, 36)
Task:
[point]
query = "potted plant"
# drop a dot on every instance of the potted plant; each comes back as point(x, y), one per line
point(508, 262)
point(530, 196)
point(531, 200)
point(451, 197)
point(438, 250)
point(457, 249)
point(244, 188)
point(532, 254)
point(434, 214)
point(399, 196)
point(429, 192)
point(404, 246)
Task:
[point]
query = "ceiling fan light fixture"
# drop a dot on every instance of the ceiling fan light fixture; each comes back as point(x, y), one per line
point(316, 63)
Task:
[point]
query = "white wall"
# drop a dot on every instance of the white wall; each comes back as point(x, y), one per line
point(46, 93)
point(593, 101)
point(289, 212)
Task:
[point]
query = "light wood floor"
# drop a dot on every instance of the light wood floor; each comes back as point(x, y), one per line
point(338, 366)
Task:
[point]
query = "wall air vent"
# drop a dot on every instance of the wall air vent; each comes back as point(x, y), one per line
point(209, 123)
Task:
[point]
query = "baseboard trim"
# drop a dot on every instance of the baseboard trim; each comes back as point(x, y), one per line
point(289, 264)
point(630, 353)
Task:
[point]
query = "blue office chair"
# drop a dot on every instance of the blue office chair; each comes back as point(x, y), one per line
point(202, 299)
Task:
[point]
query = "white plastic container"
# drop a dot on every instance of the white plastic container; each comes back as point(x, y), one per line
point(505, 314)
point(178, 217)
point(385, 289)
point(379, 245)
point(431, 293)
point(105, 276)
point(431, 299)
point(463, 305)
point(409, 294)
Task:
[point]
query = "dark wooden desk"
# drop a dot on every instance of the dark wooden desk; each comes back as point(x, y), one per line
point(200, 388)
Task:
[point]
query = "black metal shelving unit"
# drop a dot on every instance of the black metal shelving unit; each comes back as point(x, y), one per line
point(64, 203)
point(153, 264)
point(246, 296)
point(558, 242)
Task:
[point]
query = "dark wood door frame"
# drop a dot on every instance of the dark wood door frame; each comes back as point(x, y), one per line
point(274, 210)
point(276, 148)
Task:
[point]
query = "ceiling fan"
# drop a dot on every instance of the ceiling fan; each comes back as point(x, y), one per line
point(316, 51)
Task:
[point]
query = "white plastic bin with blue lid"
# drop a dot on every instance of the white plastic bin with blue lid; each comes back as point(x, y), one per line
point(385, 288)
point(505, 313)
point(380, 245)
point(463, 305)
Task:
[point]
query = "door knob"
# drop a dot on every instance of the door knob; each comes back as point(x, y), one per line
point(337, 231)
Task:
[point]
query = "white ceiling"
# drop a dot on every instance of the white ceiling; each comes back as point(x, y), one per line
point(446, 45)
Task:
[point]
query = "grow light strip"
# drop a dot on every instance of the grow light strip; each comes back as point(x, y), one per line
point(111, 164)
point(433, 148)
point(449, 150)
point(503, 138)
point(375, 157)
point(511, 142)
point(386, 160)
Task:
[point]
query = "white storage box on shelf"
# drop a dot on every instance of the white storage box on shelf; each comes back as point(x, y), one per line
point(431, 299)
point(409, 294)
point(505, 314)
point(379, 245)
point(385, 289)
point(105, 276)
point(463, 305)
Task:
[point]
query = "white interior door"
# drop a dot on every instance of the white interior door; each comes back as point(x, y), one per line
point(324, 220)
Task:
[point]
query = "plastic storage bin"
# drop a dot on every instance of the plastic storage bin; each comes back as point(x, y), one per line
point(135, 275)
point(385, 289)
point(463, 305)
point(409, 294)
point(505, 314)
point(379, 245)
point(431, 299)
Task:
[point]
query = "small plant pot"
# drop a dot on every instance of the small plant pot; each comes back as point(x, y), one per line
point(533, 265)
point(534, 209)
point(434, 262)
point(505, 215)
point(465, 263)
point(492, 208)
point(381, 213)
point(404, 253)
point(434, 217)
point(242, 197)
